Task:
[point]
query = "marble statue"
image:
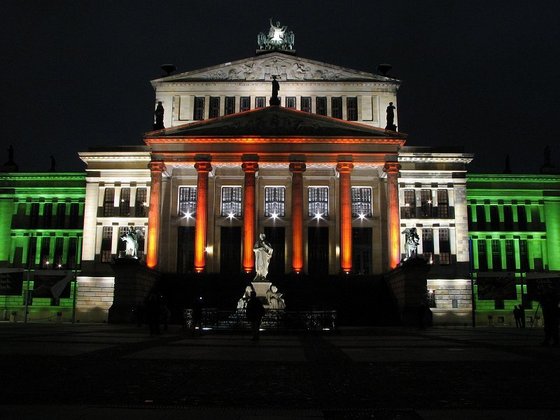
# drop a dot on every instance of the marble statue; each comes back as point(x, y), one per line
point(274, 100)
point(242, 303)
point(412, 240)
point(131, 236)
point(263, 253)
point(278, 37)
point(275, 300)
point(158, 114)
point(391, 117)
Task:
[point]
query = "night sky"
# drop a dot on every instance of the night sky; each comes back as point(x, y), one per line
point(479, 74)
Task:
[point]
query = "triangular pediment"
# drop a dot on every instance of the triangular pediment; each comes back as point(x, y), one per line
point(286, 67)
point(275, 121)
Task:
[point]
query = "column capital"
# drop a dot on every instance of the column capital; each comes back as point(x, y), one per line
point(156, 166)
point(392, 167)
point(297, 167)
point(344, 167)
point(203, 166)
point(250, 166)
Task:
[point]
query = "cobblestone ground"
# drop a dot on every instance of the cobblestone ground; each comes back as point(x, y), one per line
point(381, 369)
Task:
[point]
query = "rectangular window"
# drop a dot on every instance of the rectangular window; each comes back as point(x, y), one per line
point(32, 251)
point(428, 243)
point(76, 221)
point(352, 109)
point(291, 102)
point(318, 201)
point(361, 202)
point(523, 255)
point(47, 215)
point(73, 252)
point(508, 218)
point(106, 242)
point(306, 104)
point(230, 105)
point(409, 209)
point(482, 255)
point(231, 201)
point(245, 103)
point(260, 102)
point(141, 202)
point(426, 203)
point(444, 247)
point(198, 113)
point(481, 217)
point(521, 218)
point(45, 252)
point(494, 218)
point(274, 201)
point(187, 201)
point(510, 255)
point(442, 204)
point(60, 215)
point(34, 215)
point(336, 104)
point(58, 251)
point(214, 110)
point(109, 202)
point(321, 103)
point(496, 255)
point(124, 205)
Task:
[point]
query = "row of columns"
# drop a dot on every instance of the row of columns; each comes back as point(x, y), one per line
point(250, 167)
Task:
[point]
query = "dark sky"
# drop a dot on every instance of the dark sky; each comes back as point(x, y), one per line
point(479, 74)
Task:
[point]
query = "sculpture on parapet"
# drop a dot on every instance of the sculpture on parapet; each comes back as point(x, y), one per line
point(274, 100)
point(411, 241)
point(278, 38)
point(391, 118)
point(263, 253)
point(131, 236)
point(158, 115)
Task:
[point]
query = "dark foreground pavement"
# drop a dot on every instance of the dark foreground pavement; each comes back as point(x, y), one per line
point(104, 371)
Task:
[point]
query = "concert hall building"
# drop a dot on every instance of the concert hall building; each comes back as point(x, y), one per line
point(325, 175)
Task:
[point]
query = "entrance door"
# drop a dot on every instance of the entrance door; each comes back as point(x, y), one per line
point(185, 249)
point(362, 251)
point(230, 249)
point(318, 251)
point(276, 237)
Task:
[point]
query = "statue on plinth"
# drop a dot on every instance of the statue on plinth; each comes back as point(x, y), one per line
point(263, 253)
point(391, 118)
point(274, 100)
point(411, 242)
point(158, 114)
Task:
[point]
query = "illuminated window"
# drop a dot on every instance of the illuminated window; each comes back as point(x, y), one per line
point(318, 201)
point(336, 104)
point(409, 209)
point(291, 102)
point(444, 247)
point(230, 105)
point(198, 113)
point(214, 110)
point(442, 204)
point(141, 202)
point(109, 202)
point(106, 242)
point(231, 201)
point(361, 202)
point(187, 201)
point(306, 104)
point(321, 103)
point(245, 103)
point(426, 203)
point(352, 109)
point(124, 204)
point(260, 102)
point(274, 201)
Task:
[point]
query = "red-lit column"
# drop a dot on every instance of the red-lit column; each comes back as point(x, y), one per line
point(201, 224)
point(156, 169)
point(297, 169)
point(345, 169)
point(250, 166)
point(392, 170)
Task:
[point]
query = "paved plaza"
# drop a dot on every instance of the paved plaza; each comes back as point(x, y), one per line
point(108, 371)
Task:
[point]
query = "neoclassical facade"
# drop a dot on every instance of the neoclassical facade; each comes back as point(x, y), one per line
point(320, 174)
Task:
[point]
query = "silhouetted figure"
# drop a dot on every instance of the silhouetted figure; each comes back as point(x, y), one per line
point(158, 113)
point(517, 316)
point(152, 306)
point(274, 100)
point(507, 167)
point(10, 165)
point(53, 164)
point(255, 313)
point(391, 118)
point(549, 305)
point(197, 315)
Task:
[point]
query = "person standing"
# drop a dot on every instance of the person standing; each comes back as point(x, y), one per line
point(517, 316)
point(255, 312)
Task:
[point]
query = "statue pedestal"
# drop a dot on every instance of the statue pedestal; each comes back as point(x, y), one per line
point(261, 287)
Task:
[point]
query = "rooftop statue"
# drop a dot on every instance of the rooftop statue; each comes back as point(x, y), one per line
point(278, 38)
